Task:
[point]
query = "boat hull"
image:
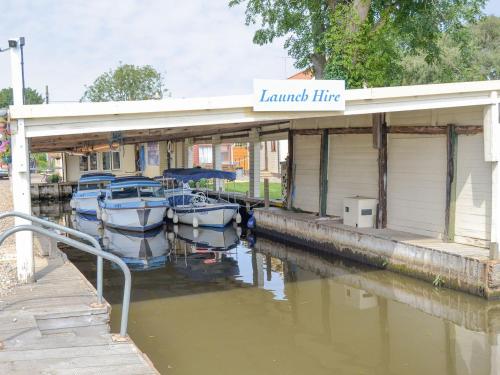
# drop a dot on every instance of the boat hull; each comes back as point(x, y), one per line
point(85, 205)
point(208, 216)
point(134, 219)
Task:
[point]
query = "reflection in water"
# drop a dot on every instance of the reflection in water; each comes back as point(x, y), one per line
point(280, 310)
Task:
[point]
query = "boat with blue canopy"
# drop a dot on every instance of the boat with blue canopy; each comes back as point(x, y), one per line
point(90, 187)
point(196, 208)
point(133, 203)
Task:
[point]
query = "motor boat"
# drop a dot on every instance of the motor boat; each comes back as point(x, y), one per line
point(133, 203)
point(141, 251)
point(225, 238)
point(196, 208)
point(88, 224)
point(90, 187)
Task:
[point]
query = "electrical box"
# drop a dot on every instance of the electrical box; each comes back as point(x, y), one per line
point(360, 212)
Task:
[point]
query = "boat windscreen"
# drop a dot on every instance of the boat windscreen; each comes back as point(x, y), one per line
point(83, 187)
point(151, 192)
point(126, 192)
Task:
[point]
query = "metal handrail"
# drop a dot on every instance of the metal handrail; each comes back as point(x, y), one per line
point(73, 232)
point(81, 246)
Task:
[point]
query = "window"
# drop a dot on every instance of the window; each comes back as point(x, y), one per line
point(150, 192)
point(83, 187)
point(93, 162)
point(106, 161)
point(84, 163)
point(116, 160)
point(130, 192)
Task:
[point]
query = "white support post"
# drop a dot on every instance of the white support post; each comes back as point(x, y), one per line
point(491, 131)
point(21, 175)
point(188, 153)
point(217, 161)
point(254, 154)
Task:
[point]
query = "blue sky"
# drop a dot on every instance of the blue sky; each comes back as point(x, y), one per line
point(202, 47)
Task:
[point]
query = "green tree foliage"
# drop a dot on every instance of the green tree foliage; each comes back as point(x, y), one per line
point(32, 97)
point(126, 82)
point(479, 59)
point(362, 41)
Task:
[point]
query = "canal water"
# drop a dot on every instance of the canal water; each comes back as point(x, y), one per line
point(220, 302)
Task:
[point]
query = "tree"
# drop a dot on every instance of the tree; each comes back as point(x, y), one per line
point(127, 82)
point(32, 97)
point(362, 41)
point(479, 59)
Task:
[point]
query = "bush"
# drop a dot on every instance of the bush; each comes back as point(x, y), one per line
point(53, 178)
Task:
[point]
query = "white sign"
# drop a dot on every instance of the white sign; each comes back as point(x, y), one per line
point(298, 95)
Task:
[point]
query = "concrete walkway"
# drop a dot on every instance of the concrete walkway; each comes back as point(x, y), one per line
point(54, 326)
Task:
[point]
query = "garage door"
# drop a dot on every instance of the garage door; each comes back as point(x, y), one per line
point(306, 163)
point(416, 184)
point(352, 169)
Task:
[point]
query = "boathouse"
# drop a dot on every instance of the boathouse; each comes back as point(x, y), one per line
point(427, 155)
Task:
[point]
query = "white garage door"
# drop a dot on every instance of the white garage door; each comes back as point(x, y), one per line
point(416, 184)
point(306, 163)
point(473, 202)
point(352, 169)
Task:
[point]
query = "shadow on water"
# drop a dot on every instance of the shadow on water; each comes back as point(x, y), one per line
point(208, 301)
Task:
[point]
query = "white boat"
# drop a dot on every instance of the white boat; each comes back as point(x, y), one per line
point(88, 224)
point(209, 238)
point(140, 250)
point(197, 209)
point(90, 187)
point(133, 203)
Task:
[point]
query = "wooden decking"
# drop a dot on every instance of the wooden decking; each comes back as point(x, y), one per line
point(54, 327)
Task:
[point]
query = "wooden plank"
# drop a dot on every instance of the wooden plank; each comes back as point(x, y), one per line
point(289, 171)
point(451, 182)
point(323, 173)
point(468, 130)
point(381, 142)
point(417, 129)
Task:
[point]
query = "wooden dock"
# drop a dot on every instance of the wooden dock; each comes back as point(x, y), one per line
point(55, 327)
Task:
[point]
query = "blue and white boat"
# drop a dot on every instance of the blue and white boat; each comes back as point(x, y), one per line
point(195, 208)
point(133, 203)
point(141, 251)
point(90, 187)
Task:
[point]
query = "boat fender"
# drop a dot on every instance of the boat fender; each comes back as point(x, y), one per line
point(170, 213)
point(195, 233)
point(195, 222)
point(238, 218)
point(251, 222)
point(175, 219)
point(104, 216)
point(238, 232)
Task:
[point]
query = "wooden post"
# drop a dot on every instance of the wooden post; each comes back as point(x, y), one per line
point(323, 173)
point(289, 172)
point(380, 142)
point(451, 182)
point(21, 175)
point(266, 192)
point(254, 170)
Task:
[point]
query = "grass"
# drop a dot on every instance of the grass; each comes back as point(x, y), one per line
point(243, 187)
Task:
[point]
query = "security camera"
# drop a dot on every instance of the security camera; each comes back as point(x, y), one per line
point(12, 43)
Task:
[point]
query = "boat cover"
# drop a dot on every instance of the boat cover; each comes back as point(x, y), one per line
point(196, 174)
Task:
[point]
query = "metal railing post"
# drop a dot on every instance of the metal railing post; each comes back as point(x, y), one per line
point(73, 232)
point(81, 246)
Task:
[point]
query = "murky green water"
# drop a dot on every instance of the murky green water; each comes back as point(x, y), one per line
point(271, 309)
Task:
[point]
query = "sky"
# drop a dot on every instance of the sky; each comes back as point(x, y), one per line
point(202, 47)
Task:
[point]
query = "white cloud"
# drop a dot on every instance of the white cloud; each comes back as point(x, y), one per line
point(203, 47)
